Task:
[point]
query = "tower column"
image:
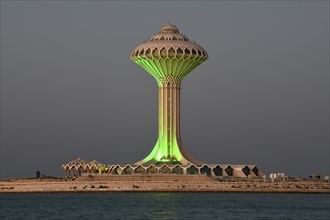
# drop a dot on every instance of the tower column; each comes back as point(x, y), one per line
point(169, 121)
point(169, 147)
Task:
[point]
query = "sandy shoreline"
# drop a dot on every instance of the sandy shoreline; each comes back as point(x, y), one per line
point(156, 185)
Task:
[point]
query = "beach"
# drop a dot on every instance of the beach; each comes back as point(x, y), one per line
point(149, 183)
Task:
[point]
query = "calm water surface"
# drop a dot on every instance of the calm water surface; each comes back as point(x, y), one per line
point(164, 206)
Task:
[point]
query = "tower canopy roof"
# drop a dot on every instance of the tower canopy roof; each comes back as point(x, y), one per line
point(169, 54)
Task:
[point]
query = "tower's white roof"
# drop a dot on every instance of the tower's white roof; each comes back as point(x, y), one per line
point(169, 37)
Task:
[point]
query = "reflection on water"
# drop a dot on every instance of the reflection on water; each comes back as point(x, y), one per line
point(164, 206)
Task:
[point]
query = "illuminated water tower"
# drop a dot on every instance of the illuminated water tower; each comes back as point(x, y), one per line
point(169, 56)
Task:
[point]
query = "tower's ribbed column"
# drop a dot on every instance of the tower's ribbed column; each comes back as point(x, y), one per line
point(169, 147)
point(169, 120)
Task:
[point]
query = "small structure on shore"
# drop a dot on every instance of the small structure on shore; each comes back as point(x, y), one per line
point(318, 176)
point(80, 166)
point(212, 170)
point(277, 175)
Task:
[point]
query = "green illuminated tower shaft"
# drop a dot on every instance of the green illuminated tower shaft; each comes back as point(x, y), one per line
point(169, 56)
point(169, 121)
point(167, 147)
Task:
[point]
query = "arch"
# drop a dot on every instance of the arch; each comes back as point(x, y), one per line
point(165, 169)
point(246, 170)
point(148, 53)
point(179, 53)
point(161, 38)
point(192, 170)
point(193, 53)
point(155, 53)
point(174, 38)
point(177, 169)
point(73, 167)
point(141, 52)
point(139, 169)
point(127, 170)
point(82, 169)
point(163, 53)
point(217, 171)
point(118, 170)
point(205, 170)
point(152, 169)
point(93, 168)
point(186, 53)
point(171, 53)
point(199, 53)
point(67, 170)
point(255, 170)
point(229, 171)
point(87, 169)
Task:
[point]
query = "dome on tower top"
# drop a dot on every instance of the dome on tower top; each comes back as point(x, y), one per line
point(169, 28)
point(169, 32)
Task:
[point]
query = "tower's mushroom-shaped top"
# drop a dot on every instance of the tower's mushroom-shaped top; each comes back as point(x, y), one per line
point(169, 53)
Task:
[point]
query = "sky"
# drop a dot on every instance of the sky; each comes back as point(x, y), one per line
point(69, 88)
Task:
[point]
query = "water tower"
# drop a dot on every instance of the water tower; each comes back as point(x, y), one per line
point(169, 56)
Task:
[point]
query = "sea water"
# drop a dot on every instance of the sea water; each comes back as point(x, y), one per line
point(165, 206)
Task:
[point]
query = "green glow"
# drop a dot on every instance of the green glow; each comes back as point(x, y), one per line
point(168, 72)
point(163, 68)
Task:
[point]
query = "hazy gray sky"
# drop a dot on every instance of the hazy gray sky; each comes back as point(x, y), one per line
point(69, 89)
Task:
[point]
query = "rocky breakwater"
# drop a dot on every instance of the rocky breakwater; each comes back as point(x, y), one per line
point(162, 183)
